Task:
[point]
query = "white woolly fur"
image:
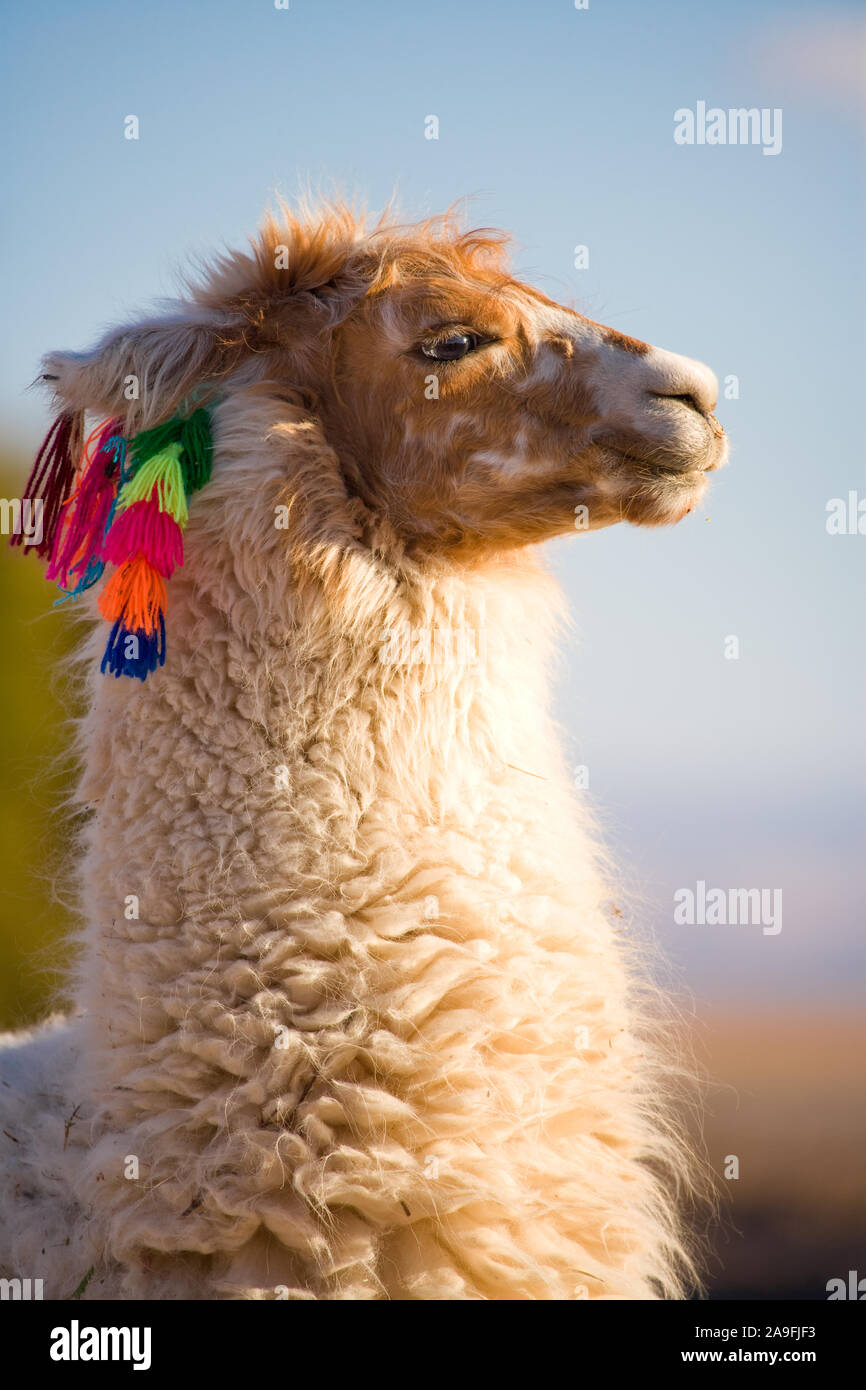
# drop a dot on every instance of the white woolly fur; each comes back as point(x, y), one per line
point(375, 1033)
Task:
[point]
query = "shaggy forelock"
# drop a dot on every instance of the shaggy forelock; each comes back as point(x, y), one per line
point(335, 255)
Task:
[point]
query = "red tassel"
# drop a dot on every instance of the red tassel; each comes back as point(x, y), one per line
point(51, 478)
point(143, 529)
point(82, 525)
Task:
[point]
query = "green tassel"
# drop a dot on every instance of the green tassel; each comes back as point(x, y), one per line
point(149, 442)
point(197, 459)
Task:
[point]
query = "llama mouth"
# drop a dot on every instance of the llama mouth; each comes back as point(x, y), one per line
point(646, 472)
point(659, 495)
point(677, 460)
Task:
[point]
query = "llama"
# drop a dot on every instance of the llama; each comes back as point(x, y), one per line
point(351, 1016)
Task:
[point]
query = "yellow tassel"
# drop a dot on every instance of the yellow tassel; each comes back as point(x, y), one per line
point(160, 476)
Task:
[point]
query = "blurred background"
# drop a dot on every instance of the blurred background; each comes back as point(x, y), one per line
point(559, 123)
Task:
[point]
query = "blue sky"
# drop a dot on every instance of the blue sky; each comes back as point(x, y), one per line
point(560, 124)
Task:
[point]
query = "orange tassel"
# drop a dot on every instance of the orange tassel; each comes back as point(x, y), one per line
point(135, 595)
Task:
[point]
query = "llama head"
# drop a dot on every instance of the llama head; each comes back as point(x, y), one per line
point(466, 409)
point(476, 413)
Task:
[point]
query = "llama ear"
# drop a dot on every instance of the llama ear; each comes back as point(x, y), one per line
point(144, 371)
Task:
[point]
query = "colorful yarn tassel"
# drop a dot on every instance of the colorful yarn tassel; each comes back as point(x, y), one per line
point(160, 476)
point(51, 479)
point(143, 528)
point(134, 653)
point(126, 505)
point(146, 443)
point(197, 457)
point(135, 594)
point(74, 563)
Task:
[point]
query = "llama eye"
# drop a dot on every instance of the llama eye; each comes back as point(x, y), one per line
point(450, 349)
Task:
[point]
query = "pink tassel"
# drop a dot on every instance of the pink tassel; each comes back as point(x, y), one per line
point(142, 529)
point(79, 536)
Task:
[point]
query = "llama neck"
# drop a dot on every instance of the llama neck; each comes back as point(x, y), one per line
point(243, 766)
point(331, 887)
point(320, 731)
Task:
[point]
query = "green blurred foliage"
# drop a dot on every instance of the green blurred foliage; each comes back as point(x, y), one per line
point(35, 775)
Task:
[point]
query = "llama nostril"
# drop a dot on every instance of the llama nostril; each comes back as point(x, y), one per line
point(686, 399)
point(666, 376)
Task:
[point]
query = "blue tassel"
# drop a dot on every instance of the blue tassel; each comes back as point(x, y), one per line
point(87, 580)
point(127, 657)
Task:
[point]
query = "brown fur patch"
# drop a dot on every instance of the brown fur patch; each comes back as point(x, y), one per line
point(626, 344)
